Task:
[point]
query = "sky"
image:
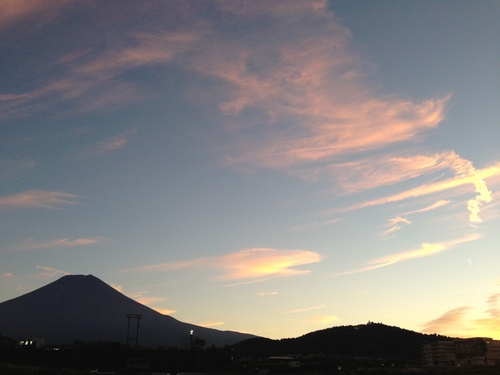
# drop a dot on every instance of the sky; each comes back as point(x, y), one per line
point(270, 167)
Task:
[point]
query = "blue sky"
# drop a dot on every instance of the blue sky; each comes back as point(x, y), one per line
point(272, 167)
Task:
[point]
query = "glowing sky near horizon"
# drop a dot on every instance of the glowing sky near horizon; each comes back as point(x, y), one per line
point(271, 167)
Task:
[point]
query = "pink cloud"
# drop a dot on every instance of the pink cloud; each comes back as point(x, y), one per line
point(12, 11)
point(472, 177)
point(38, 199)
point(93, 80)
point(110, 144)
point(308, 89)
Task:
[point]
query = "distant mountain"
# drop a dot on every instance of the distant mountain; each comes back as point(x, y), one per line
point(372, 340)
point(79, 307)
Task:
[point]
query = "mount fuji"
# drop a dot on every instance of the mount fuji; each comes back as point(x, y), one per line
point(82, 307)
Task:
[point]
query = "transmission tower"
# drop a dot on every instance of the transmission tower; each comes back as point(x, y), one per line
point(138, 318)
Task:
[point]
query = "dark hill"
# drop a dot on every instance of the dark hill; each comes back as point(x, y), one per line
point(79, 307)
point(372, 340)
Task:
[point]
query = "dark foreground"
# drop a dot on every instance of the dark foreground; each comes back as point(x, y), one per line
point(107, 358)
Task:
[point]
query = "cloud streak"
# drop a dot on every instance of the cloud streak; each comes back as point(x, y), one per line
point(464, 316)
point(15, 167)
point(110, 144)
point(464, 176)
point(315, 106)
point(309, 90)
point(447, 322)
point(60, 243)
point(305, 309)
point(426, 249)
point(38, 199)
point(11, 11)
point(256, 264)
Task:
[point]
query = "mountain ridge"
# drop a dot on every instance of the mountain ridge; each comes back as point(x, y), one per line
point(83, 307)
point(371, 340)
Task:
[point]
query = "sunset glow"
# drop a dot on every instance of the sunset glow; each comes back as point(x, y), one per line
point(270, 167)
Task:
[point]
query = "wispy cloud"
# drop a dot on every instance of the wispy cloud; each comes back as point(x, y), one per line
point(255, 264)
point(267, 293)
point(110, 144)
point(308, 87)
point(316, 224)
point(116, 142)
point(447, 322)
point(49, 272)
point(211, 323)
point(468, 320)
point(426, 249)
point(12, 11)
point(15, 167)
point(164, 311)
point(463, 178)
point(60, 243)
point(324, 319)
point(395, 225)
point(305, 309)
point(146, 300)
point(38, 199)
point(89, 81)
point(431, 207)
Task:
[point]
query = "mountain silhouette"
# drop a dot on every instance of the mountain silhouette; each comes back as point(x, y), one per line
point(82, 307)
point(371, 340)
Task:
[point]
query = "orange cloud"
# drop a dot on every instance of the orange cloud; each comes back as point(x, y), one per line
point(210, 324)
point(451, 321)
point(38, 199)
point(265, 262)
point(165, 311)
point(461, 321)
point(255, 264)
point(427, 249)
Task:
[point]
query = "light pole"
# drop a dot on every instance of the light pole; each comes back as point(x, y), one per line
point(193, 345)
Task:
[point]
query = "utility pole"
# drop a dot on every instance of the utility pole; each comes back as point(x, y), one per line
point(138, 318)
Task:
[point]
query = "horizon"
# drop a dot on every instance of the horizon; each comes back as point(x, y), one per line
point(266, 167)
point(334, 326)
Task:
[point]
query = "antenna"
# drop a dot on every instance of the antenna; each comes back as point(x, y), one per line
point(138, 318)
